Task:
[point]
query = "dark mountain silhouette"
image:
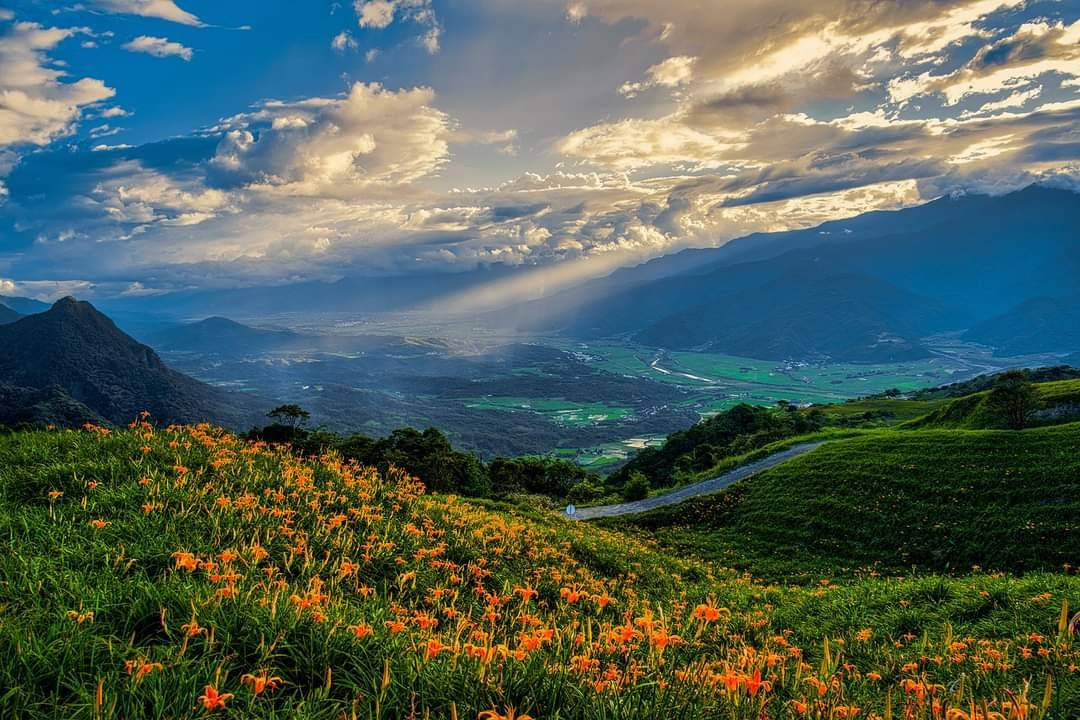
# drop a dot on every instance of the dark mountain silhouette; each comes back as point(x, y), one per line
point(7, 315)
point(23, 305)
point(1034, 326)
point(218, 335)
point(955, 262)
point(43, 406)
point(78, 349)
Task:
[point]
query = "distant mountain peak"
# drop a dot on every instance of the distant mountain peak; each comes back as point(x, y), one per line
point(76, 347)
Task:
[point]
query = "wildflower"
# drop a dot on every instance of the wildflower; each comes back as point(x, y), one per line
point(99, 524)
point(141, 668)
point(361, 631)
point(212, 700)
point(510, 714)
point(708, 613)
point(864, 634)
point(433, 648)
point(755, 683)
point(260, 682)
point(54, 494)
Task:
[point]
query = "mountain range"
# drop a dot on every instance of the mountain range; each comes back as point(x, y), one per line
point(218, 335)
point(74, 361)
point(7, 315)
point(868, 288)
point(23, 305)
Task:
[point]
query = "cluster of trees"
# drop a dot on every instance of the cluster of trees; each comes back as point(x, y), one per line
point(1014, 399)
point(430, 456)
point(740, 430)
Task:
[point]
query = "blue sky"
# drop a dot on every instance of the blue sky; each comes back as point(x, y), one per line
point(154, 145)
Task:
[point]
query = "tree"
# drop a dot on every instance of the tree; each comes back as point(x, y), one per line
point(1014, 399)
point(291, 415)
point(636, 488)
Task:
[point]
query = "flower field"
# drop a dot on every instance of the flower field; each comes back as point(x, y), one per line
point(185, 573)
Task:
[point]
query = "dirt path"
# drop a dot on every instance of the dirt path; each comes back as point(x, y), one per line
point(704, 487)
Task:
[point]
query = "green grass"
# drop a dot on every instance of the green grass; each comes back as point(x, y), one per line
point(289, 556)
point(972, 411)
point(889, 411)
point(941, 500)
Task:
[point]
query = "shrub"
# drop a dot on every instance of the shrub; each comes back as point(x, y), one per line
point(636, 488)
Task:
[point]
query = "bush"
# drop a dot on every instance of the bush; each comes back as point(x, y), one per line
point(636, 488)
point(584, 491)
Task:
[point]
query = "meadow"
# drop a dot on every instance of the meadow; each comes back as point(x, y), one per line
point(184, 573)
point(893, 500)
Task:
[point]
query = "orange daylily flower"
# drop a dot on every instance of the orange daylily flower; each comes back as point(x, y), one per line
point(510, 714)
point(260, 682)
point(212, 700)
point(361, 631)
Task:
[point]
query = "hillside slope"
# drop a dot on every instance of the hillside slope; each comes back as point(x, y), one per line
point(185, 574)
point(1058, 402)
point(936, 499)
point(840, 315)
point(1034, 326)
point(23, 305)
point(74, 347)
point(7, 315)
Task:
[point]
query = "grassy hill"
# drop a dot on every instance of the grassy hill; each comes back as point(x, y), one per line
point(941, 500)
point(1058, 400)
point(744, 433)
point(183, 573)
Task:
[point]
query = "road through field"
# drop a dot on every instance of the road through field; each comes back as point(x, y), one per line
point(704, 487)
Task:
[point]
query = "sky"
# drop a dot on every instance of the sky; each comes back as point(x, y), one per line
point(149, 146)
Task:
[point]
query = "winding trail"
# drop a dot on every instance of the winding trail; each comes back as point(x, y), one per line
point(705, 487)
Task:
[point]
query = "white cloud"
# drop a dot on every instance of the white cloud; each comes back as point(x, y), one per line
point(131, 193)
point(37, 103)
point(161, 9)
point(671, 73)
point(343, 41)
point(377, 14)
point(633, 144)
point(159, 47)
point(373, 137)
point(381, 14)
